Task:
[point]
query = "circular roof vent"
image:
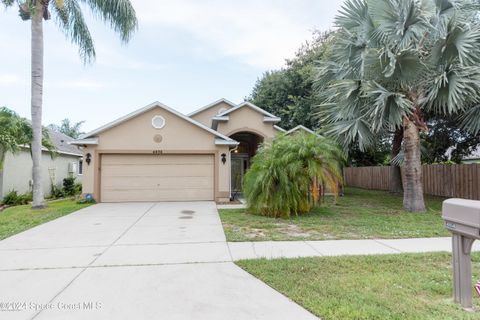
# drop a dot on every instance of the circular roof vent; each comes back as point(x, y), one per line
point(158, 122)
point(222, 110)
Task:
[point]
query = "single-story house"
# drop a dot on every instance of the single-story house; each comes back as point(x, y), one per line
point(158, 154)
point(17, 168)
point(473, 157)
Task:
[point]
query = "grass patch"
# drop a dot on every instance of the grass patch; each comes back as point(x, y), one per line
point(404, 286)
point(360, 214)
point(20, 218)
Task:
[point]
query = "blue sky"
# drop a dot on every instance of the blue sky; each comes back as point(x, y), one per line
point(185, 54)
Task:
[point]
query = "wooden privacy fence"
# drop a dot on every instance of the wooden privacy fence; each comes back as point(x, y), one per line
point(458, 180)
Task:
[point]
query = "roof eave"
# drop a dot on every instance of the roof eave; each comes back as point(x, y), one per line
point(208, 106)
point(270, 119)
point(82, 142)
point(222, 142)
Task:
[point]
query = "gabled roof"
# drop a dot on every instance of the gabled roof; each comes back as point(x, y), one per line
point(300, 127)
point(475, 154)
point(250, 105)
point(208, 106)
point(143, 110)
point(279, 128)
point(62, 143)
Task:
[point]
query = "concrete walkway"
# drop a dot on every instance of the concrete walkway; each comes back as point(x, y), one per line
point(133, 261)
point(295, 249)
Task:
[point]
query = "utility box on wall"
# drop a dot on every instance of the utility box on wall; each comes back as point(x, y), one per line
point(462, 218)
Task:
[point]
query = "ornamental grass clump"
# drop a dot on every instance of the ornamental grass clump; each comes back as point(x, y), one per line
point(287, 174)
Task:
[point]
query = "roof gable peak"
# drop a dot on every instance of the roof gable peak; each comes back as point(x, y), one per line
point(212, 104)
point(250, 105)
point(148, 108)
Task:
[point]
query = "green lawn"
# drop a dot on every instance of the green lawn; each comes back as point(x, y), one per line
point(360, 214)
point(17, 219)
point(404, 286)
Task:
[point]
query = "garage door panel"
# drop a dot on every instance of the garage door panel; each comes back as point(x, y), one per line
point(158, 170)
point(156, 159)
point(155, 195)
point(121, 183)
point(157, 178)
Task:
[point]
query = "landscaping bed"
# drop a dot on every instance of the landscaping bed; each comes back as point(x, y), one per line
point(403, 286)
point(360, 214)
point(20, 218)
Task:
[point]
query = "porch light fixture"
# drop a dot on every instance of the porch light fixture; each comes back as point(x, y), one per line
point(88, 158)
point(224, 158)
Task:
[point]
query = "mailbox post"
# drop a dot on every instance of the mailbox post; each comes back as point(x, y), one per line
point(462, 218)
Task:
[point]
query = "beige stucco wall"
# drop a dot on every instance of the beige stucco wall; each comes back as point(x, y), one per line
point(205, 116)
point(17, 172)
point(137, 136)
point(247, 119)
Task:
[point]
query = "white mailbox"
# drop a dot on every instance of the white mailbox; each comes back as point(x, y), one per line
point(462, 218)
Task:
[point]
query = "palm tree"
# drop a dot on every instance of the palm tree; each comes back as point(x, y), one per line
point(284, 177)
point(69, 17)
point(71, 129)
point(391, 62)
point(17, 132)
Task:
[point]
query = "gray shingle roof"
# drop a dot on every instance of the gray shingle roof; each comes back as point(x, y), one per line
point(60, 141)
point(474, 155)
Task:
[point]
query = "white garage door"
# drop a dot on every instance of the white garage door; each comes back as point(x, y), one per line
point(130, 177)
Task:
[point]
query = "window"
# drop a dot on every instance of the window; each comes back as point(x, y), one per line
point(158, 122)
point(80, 166)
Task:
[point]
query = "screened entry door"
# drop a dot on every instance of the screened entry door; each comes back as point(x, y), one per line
point(240, 164)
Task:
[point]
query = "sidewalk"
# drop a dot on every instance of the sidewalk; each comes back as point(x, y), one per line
point(294, 249)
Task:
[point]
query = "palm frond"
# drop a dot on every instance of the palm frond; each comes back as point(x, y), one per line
point(460, 42)
point(399, 23)
point(453, 88)
point(72, 23)
point(388, 108)
point(470, 120)
point(354, 16)
point(120, 14)
point(8, 3)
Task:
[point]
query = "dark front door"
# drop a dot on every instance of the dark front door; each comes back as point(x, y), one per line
point(240, 164)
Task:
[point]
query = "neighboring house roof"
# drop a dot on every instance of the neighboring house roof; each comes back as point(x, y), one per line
point(300, 127)
point(474, 155)
point(84, 139)
point(252, 106)
point(62, 143)
point(208, 106)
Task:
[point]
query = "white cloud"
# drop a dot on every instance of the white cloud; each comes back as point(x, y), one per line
point(7, 79)
point(78, 84)
point(258, 33)
point(111, 58)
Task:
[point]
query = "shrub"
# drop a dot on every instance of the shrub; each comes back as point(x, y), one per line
point(85, 200)
point(57, 192)
point(285, 175)
point(69, 186)
point(14, 199)
point(25, 198)
point(10, 198)
point(78, 188)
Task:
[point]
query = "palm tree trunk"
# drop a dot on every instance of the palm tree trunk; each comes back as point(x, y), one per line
point(395, 172)
point(413, 193)
point(36, 103)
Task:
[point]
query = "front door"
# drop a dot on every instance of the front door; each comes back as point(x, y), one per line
point(240, 164)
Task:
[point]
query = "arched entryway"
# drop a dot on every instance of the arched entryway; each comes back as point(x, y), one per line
point(241, 157)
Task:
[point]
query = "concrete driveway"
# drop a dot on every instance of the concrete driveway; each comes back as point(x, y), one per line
point(133, 261)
